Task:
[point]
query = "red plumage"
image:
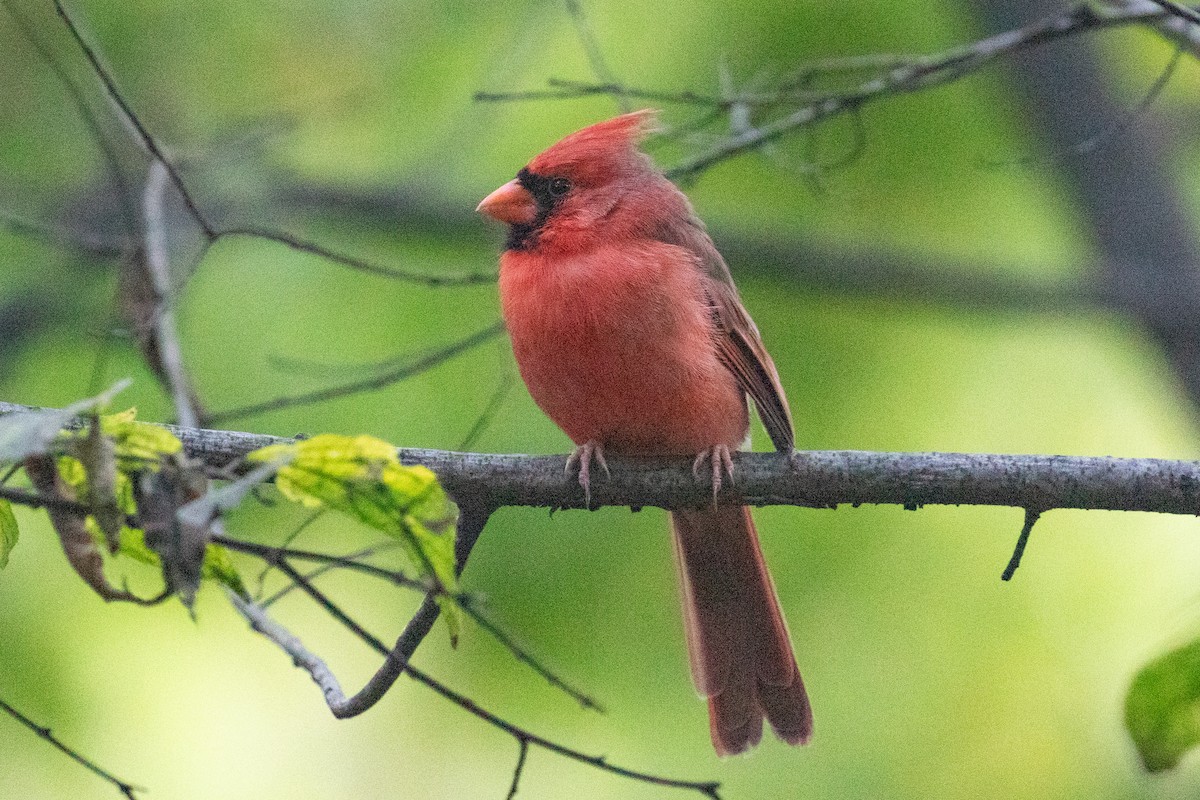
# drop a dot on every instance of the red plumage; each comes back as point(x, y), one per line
point(630, 335)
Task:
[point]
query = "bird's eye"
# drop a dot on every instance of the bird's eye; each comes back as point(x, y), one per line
point(559, 186)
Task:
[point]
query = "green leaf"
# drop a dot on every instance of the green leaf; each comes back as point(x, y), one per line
point(1162, 710)
point(218, 566)
point(139, 445)
point(8, 532)
point(362, 477)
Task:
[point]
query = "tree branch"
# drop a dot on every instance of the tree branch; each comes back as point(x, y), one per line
point(330, 688)
point(896, 76)
point(815, 478)
point(383, 379)
point(165, 351)
point(126, 788)
point(927, 72)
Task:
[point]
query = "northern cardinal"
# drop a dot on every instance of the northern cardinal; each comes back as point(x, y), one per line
point(630, 335)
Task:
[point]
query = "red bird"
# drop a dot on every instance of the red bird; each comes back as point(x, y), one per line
point(630, 335)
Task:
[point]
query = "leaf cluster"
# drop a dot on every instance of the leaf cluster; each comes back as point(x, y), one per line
point(118, 488)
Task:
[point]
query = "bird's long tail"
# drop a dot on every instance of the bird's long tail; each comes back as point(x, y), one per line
point(738, 643)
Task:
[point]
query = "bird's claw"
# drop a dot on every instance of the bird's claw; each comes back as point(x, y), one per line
point(582, 457)
point(722, 461)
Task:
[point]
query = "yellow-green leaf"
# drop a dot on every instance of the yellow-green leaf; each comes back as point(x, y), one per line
point(218, 566)
point(362, 477)
point(1162, 710)
point(139, 445)
point(8, 532)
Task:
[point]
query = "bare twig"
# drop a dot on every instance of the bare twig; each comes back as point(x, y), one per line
point(324, 678)
point(1179, 10)
point(1128, 119)
point(329, 566)
point(211, 233)
point(595, 56)
point(1031, 518)
point(470, 525)
point(167, 348)
point(566, 90)
point(372, 383)
point(489, 412)
point(278, 556)
point(124, 787)
point(266, 570)
point(146, 139)
point(23, 497)
point(895, 76)
point(500, 635)
point(112, 163)
point(928, 72)
point(358, 264)
point(522, 754)
point(84, 243)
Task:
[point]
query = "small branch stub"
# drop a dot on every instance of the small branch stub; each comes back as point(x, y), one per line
point(1031, 517)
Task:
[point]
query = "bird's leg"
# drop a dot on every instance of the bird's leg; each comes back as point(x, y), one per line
point(582, 456)
point(722, 462)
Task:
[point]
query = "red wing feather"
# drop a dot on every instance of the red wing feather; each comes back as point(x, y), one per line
point(738, 342)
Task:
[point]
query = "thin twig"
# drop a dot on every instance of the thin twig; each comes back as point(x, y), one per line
point(61, 236)
point(1179, 10)
point(525, 657)
point(147, 140)
point(522, 753)
point(925, 73)
point(329, 566)
point(124, 787)
point(167, 348)
point(489, 412)
point(359, 264)
point(267, 565)
point(565, 89)
point(211, 233)
point(595, 55)
point(29, 499)
point(1127, 120)
point(1031, 518)
point(278, 556)
point(380, 381)
point(471, 520)
point(112, 163)
point(898, 77)
point(324, 678)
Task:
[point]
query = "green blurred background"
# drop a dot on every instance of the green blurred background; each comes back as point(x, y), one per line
point(930, 678)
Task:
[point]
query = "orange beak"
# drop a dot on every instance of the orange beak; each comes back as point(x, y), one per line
point(511, 203)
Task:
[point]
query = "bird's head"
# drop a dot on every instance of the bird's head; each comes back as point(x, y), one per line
point(588, 185)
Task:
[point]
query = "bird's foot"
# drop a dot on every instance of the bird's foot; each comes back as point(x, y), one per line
point(722, 462)
point(582, 457)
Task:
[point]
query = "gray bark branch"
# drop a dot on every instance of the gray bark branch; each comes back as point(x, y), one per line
point(933, 70)
point(823, 479)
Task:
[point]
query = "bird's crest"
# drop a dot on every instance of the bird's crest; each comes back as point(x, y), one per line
point(598, 152)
